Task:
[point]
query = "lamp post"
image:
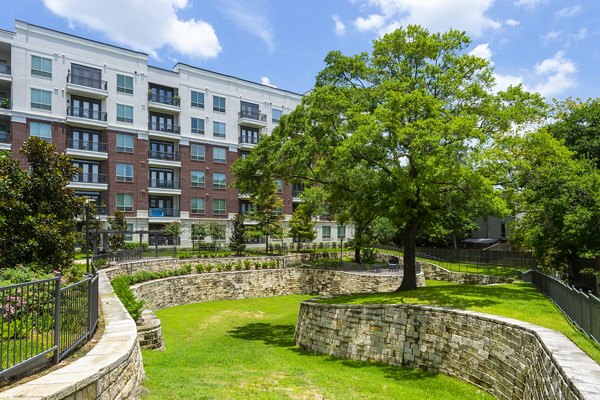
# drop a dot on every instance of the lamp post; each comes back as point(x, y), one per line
point(86, 216)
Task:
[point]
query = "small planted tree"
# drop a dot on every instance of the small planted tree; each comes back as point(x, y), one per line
point(302, 226)
point(266, 213)
point(199, 232)
point(173, 229)
point(116, 241)
point(237, 242)
point(216, 231)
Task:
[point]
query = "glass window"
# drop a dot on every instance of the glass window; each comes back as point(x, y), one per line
point(219, 103)
point(219, 129)
point(41, 99)
point(219, 207)
point(41, 66)
point(124, 202)
point(124, 172)
point(276, 114)
point(129, 232)
point(198, 126)
point(198, 205)
point(198, 151)
point(279, 184)
point(124, 113)
point(326, 232)
point(278, 211)
point(124, 143)
point(219, 155)
point(124, 84)
point(197, 99)
point(197, 178)
point(219, 180)
point(341, 231)
point(41, 130)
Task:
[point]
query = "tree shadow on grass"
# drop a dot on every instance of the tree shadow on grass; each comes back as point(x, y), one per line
point(271, 335)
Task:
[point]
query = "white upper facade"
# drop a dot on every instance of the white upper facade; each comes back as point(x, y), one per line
point(30, 43)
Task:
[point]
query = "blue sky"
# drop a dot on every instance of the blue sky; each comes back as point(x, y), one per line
point(550, 46)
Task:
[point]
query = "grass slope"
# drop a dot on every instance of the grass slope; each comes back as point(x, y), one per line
point(244, 349)
point(518, 300)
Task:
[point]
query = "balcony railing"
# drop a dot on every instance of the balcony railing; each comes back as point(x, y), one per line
point(88, 145)
point(102, 210)
point(163, 184)
point(4, 137)
point(253, 115)
point(86, 113)
point(169, 128)
point(249, 139)
point(163, 155)
point(162, 99)
point(297, 193)
point(83, 80)
point(5, 69)
point(4, 103)
point(155, 212)
point(85, 177)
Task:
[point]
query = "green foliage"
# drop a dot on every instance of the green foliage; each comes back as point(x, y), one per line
point(302, 225)
point(264, 214)
point(216, 231)
point(237, 241)
point(22, 273)
point(135, 246)
point(199, 231)
point(118, 223)
point(369, 256)
point(173, 229)
point(37, 210)
point(121, 286)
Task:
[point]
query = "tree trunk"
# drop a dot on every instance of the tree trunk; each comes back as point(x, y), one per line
point(267, 244)
point(454, 242)
point(409, 279)
point(358, 243)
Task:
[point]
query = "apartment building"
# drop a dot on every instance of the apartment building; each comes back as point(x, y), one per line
point(156, 144)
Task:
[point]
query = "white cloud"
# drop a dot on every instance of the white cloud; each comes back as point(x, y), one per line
point(142, 26)
point(483, 51)
point(266, 81)
point(559, 74)
point(436, 15)
point(528, 3)
point(502, 82)
point(249, 18)
point(580, 34)
point(512, 22)
point(552, 36)
point(569, 11)
point(340, 27)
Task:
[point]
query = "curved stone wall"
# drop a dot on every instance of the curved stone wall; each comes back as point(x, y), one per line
point(437, 273)
point(174, 291)
point(111, 370)
point(507, 358)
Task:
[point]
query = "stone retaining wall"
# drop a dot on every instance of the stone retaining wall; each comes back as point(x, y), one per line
point(150, 332)
point(507, 358)
point(437, 273)
point(174, 291)
point(111, 370)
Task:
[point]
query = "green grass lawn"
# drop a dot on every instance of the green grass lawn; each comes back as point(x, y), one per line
point(244, 349)
point(518, 300)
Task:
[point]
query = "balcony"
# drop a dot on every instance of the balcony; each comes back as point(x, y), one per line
point(164, 158)
point(254, 119)
point(164, 213)
point(163, 184)
point(83, 180)
point(161, 102)
point(4, 137)
point(5, 69)
point(166, 128)
point(248, 141)
point(5, 106)
point(87, 149)
point(86, 117)
point(86, 86)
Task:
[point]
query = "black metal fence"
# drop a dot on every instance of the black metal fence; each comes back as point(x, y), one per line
point(42, 322)
point(580, 307)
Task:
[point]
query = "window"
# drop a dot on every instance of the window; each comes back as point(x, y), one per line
point(41, 66)
point(41, 99)
point(219, 155)
point(197, 178)
point(279, 184)
point(124, 172)
point(198, 126)
point(124, 143)
point(198, 206)
point(219, 103)
point(198, 151)
point(276, 114)
point(197, 99)
point(129, 232)
point(124, 202)
point(41, 130)
point(124, 84)
point(219, 181)
point(278, 211)
point(124, 113)
point(341, 231)
point(326, 232)
point(219, 207)
point(219, 129)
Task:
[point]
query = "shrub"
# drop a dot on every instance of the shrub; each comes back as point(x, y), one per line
point(368, 256)
point(133, 306)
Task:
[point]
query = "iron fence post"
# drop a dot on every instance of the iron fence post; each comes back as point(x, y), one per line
point(57, 319)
